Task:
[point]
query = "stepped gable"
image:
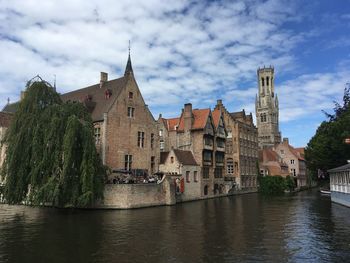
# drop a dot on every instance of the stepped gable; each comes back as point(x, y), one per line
point(96, 98)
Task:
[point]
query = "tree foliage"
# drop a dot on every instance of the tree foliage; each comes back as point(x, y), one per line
point(327, 149)
point(272, 185)
point(51, 157)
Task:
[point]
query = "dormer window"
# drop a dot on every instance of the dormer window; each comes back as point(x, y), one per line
point(131, 95)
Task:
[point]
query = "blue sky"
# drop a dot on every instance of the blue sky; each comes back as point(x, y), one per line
point(185, 51)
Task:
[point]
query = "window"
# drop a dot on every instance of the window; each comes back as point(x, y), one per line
point(262, 82)
point(97, 135)
point(219, 157)
point(267, 81)
point(293, 172)
point(128, 162)
point(282, 151)
point(152, 164)
point(161, 144)
point(195, 176)
point(206, 190)
point(220, 143)
point(131, 95)
point(230, 166)
point(141, 139)
point(205, 172)
point(263, 117)
point(208, 141)
point(207, 156)
point(218, 172)
point(291, 161)
point(187, 176)
point(131, 112)
point(152, 140)
point(172, 159)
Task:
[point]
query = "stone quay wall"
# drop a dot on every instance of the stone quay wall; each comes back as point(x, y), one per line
point(126, 196)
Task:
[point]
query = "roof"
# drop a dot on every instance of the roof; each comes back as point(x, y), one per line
point(200, 117)
point(345, 167)
point(5, 119)
point(270, 160)
point(170, 124)
point(128, 68)
point(238, 114)
point(11, 107)
point(163, 156)
point(94, 97)
point(296, 153)
point(301, 150)
point(185, 157)
point(216, 117)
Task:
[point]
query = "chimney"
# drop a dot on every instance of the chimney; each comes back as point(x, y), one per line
point(218, 104)
point(285, 141)
point(103, 78)
point(160, 116)
point(188, 117)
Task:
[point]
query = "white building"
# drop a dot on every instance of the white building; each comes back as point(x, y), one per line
point(340, 184)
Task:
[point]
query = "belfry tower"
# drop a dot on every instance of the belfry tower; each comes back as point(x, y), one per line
point(266, 108)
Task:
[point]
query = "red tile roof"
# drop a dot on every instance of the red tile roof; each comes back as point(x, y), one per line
point(216, 117)
point(200, 118)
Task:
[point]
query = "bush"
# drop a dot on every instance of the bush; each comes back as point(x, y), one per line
point(272, 185)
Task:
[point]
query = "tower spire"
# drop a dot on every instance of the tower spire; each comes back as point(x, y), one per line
point(128, 68)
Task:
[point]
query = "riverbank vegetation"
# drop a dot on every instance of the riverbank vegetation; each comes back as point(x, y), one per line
point(275, 185)
point(51, 156)
point(327, 148)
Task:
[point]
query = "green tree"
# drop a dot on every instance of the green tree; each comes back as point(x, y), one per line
point(51, 157)
point(271, 185)
point(327, 149)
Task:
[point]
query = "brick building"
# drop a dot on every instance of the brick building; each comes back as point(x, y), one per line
point(294, 158)
point(182, 164)
point(241, 147)
point(204, 134)
point(270, 163)
point(126, 134)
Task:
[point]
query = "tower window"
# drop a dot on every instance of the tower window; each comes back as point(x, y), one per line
point(263, 117)
point(131, 95)
point(267, 81)
point(262, 82)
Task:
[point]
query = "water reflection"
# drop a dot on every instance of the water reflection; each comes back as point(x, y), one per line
point(300, 228)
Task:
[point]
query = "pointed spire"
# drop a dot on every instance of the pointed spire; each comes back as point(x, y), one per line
point(128, 68)
point(8, 100)
point(54, 83)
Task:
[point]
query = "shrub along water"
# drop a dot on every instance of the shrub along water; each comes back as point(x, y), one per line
point(272, 185)
point(51, 156)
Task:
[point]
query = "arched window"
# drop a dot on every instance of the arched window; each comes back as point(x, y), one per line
point(262, 82)
point(267, 81)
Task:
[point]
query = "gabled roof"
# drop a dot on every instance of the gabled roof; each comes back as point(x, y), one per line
point(345, 167)
point(238, 114)
point(183, 157)
point(300, 150)
point(94, 97)
point(270, 160)
point(11, 107)
point(170, 124)
point(296, 153)
point(5, 119)
point(200, 117)
point(216, 117)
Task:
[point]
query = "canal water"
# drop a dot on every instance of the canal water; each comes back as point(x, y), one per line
point(304, 227)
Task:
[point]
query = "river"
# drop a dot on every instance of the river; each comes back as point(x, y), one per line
point(304, 227)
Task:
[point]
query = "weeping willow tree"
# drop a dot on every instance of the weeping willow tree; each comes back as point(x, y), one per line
point(51, 157)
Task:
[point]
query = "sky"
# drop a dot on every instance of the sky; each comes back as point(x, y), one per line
point(185, 51)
